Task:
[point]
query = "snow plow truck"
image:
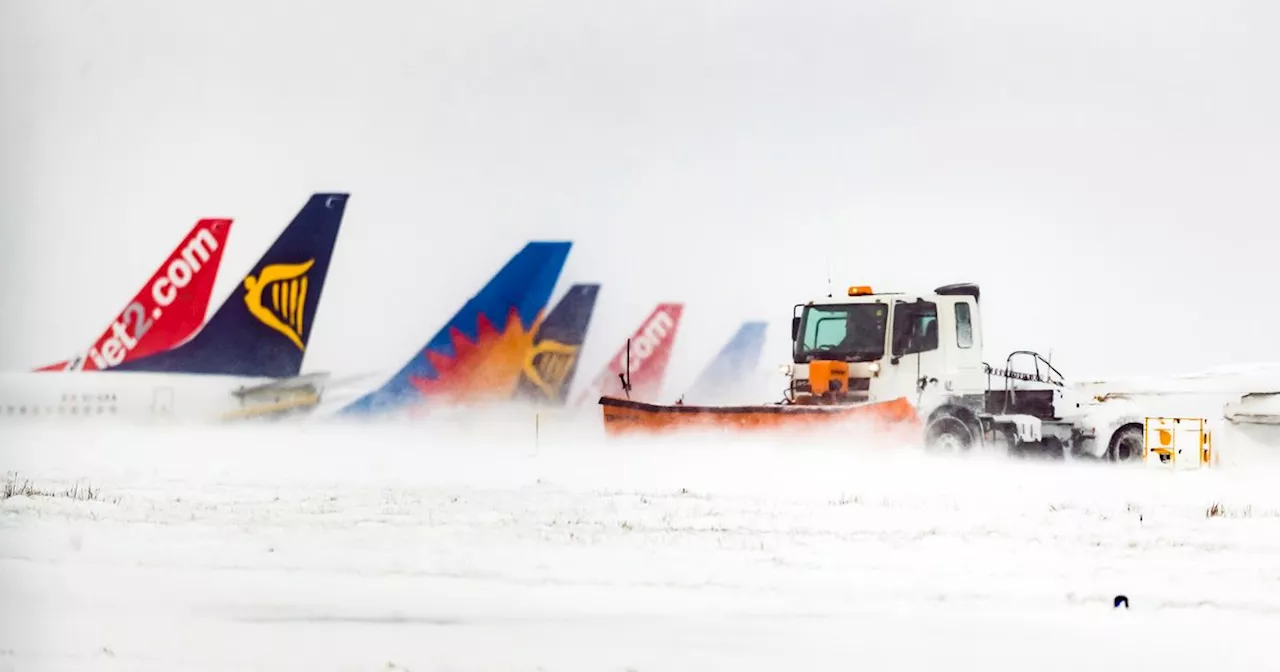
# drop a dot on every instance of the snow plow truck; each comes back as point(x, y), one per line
point(915, 361)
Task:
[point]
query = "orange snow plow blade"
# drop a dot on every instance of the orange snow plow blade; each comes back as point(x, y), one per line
point(623, 416)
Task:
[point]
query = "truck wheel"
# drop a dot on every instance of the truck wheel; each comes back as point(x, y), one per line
point(949, 434)
point(1126, 444)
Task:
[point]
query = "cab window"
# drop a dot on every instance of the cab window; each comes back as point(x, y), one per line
point(964, 326)
point(915, 327)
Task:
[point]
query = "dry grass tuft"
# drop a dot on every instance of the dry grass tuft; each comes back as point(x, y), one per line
point(16, 486)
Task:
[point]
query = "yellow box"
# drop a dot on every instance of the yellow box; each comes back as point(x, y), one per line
point(1178, 442)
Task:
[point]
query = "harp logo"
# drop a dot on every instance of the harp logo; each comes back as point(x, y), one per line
point(547, 364)
point(278, 298)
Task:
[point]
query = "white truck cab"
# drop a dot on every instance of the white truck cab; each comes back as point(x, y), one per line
point(896, 344)
point(928, 348)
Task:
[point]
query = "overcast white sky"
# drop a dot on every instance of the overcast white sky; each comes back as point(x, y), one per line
point(1106, 170)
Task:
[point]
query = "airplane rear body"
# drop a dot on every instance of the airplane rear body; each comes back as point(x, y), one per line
point(647, 359)
point(551, 363)
point(67, 396)
point(478, 355)
point(168, 309)
point(256, 339)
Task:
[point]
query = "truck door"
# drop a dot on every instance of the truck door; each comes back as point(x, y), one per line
point(964, 349)
point(915, 355)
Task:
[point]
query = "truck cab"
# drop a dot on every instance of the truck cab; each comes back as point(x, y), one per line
point(927, 348)
point(894, 344)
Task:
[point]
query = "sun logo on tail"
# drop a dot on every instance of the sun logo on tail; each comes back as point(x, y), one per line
point(288, 287)
point(484, 368)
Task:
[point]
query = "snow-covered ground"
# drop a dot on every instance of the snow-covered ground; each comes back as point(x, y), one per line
point(470, 547)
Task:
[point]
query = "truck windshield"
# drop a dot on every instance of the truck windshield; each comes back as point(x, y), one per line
point(853, 332)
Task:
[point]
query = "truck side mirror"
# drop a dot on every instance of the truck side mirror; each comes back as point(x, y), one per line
point(795, 327)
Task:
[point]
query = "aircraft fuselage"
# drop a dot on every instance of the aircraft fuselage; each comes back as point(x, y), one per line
point(120, 396)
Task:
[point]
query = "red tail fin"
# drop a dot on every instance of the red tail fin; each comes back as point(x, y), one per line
point(168, 309)
point(650, 351)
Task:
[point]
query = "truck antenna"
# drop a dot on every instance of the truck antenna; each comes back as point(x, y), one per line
point(829, 290)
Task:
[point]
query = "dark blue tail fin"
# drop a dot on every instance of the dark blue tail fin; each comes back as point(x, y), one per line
point(480, 350)
point(734, 365)
point(262, 329)
point(551, 362)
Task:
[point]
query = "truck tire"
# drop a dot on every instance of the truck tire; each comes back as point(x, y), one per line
point(1126, 444)
point(947, 433)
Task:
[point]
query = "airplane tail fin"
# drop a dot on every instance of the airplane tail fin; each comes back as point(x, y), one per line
point(732, 367)
point(550, 364)
point(480, 351)
point(651, 347)
point(168, 309)
point(263, 328)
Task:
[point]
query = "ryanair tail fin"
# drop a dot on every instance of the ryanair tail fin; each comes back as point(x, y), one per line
point(550, 364)
point(480, 351)
point(732, 368)
point(262, 329)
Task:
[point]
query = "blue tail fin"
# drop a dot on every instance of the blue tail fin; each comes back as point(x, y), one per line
point(480, 351)
point(551, 362)
point(734, 365)
point(262, 329)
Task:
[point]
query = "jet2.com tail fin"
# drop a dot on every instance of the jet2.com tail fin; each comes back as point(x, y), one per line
point(262, 329)
point(168, 309)
point(480, 351)
point(549, 366)
point(651, 347)
point(732, 368)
